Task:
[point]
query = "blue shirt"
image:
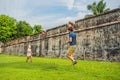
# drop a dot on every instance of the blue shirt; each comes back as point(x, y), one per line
point(73, 36)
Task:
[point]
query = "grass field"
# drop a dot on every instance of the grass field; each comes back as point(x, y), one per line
point(15, 68)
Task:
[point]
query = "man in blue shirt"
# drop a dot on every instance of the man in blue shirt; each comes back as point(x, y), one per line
point(72, 42)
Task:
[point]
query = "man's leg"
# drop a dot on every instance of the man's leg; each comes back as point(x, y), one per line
point(69, 56)
point(71, 50)
point(69, 53)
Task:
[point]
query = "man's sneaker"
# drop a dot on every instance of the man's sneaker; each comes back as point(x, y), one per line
point(74, 62)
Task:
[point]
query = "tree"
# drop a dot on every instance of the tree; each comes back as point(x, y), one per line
point(98, 8)
point(23, 29)
point(7, 28)
point(37, 29)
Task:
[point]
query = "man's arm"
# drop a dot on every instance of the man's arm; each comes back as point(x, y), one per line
point(70, 40)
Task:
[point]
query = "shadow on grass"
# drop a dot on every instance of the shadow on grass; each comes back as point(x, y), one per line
point(32, 66)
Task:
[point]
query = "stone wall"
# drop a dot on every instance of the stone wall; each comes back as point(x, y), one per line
point(98, 39)
point(1, 47)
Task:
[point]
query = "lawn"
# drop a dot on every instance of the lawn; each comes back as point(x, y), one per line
point(15, 68)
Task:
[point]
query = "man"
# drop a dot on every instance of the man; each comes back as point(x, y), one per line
point(71, 24)
point(72, 47)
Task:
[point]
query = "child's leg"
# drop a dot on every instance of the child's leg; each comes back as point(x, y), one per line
point(31, 58)
point(27, 59)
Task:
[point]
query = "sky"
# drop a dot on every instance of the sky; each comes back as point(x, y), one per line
point(49, 13)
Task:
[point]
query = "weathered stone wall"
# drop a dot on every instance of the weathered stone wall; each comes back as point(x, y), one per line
point(1, 47)
point(98, 39)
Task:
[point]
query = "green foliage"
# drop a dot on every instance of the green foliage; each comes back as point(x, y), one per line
point(37, 29)
point(98, 8)
point(15, 68)
point(11, 29)
point(7, 28)
point(23, 29)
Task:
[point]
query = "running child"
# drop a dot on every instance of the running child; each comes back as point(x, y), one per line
point(29, 54)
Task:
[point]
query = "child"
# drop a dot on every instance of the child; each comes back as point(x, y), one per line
point(29, 55)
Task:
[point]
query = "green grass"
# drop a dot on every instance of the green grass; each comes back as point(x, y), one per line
point(15, 68)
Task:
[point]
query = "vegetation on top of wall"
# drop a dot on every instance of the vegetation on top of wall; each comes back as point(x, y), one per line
point(23, 29)
point(37, 29)
point(7, 28)
point(97, 8)
point(11, 29)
